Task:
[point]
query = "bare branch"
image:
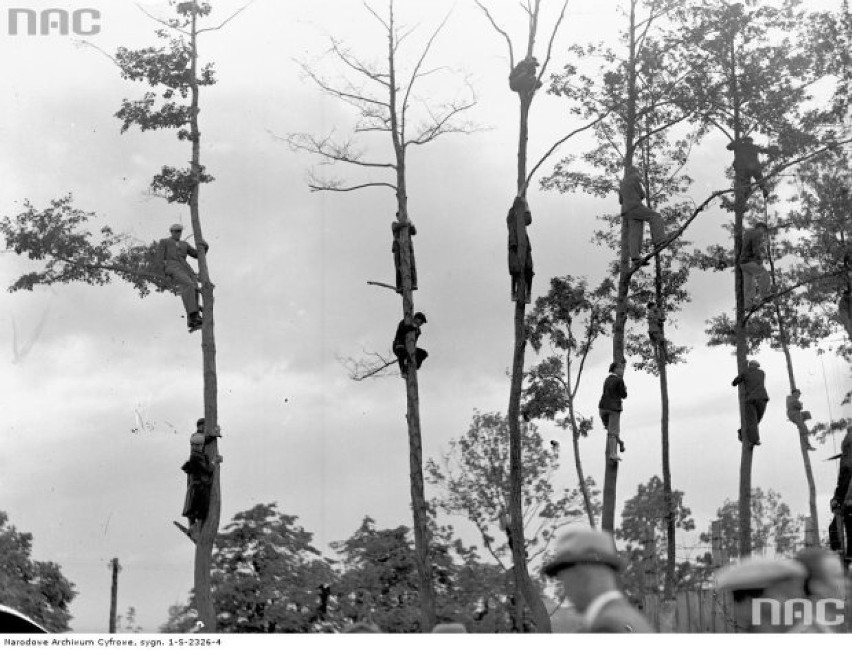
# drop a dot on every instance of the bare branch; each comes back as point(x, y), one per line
point(377, 16)
point(337, 186)
point(356, 65)
point(558, 144)
point(330, 150)
point(81, 42)
point(164, 23)
point(441, 125)
point(419, 64)
point(382, 284)
point(337, 92)
point(227, 20)
point(552, 38)
point(499, 31)
point(361, 369)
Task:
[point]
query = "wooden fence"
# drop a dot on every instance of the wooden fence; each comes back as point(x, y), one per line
point(702, 611)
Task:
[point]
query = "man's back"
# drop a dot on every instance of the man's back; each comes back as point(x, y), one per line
point(752, 250)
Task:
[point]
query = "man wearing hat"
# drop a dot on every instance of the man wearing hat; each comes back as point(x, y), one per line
point(775, 579)
point(399, 346)
point(587, 564)
point(172, 254)
point(756, 398)
point(747, 164)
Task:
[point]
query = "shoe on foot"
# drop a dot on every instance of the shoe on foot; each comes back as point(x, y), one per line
point(621, 446)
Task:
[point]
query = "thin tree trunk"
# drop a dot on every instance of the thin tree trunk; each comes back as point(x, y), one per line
point(415, 446)
point(801, 427)
point(209, 530)
point(516, 518)
point(739, 329)
point(578, 463)
point(671, 529)
point(624, 275)
point(113, 596)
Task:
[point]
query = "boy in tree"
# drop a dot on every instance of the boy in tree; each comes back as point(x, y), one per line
point(630, 196)
point(655, 329)
point(756, 398)
point(200, 470)
point(520, 250)
point(751, 264)
point(747, 164)
point(609, 406)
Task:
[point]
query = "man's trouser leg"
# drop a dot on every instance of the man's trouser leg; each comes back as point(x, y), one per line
point(420, 356)
point(750, 271)
point(635, 233)
point(760, 408)
point(187, 283)
point(764, 281)
point(751, 417)
point(613, 427)
point(402, 358)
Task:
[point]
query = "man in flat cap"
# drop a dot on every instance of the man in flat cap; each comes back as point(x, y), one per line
point(773, 580)
point(171, 254)
point(756, 398)
point(587, 564)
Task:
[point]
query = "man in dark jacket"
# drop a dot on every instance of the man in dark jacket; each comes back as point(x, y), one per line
point(399, 347)
point(798, 416)
point(520, 250)
point(396, 249)
point(756, 397)
point(747, 164)
point(587, 564)
point(630, 196)
point(609, 407)
point(200, 470)
point(171, 255)
point(656, 320)
point(751, 264)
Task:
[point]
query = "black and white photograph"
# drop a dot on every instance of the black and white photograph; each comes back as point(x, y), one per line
point(610, 393)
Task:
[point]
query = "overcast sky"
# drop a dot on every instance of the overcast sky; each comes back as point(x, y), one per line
point(291, 271)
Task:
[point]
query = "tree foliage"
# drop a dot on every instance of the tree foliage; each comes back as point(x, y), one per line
point(474, 480)
point(35, 588)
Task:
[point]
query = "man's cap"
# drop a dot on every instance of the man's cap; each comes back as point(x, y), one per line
point(753, 364)
point(758, 573)
point(449, 628)
point(583, 546)
point(175, 226)
point(421, 316)
point(196, 439)
point(199, 421)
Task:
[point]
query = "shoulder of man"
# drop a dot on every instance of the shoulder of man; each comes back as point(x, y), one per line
point(619, 616)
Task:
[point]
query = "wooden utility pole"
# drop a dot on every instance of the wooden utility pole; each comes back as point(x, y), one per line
point(113, 597)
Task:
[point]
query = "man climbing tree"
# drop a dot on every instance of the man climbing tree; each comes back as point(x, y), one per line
point(756, 398)
point(636, 213)
point(396, 249)
point(798, 416)
point(756, 278)
point(610, 406)
point(520, 251)
point(656, 320)
point(747, 165)
point(200, 470)
point(400, 348)
point(172, 253)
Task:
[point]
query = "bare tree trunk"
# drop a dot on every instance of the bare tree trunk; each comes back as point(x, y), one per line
point(578, 463)
point(209, 530)
point(412, 393)
point(801, 427)
point(671, 529)
point(113, 596)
